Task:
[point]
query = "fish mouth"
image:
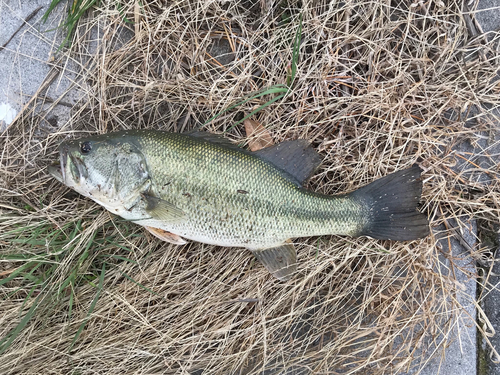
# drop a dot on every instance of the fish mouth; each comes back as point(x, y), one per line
point(55, 171)
point(58, 169)
point(76, 167)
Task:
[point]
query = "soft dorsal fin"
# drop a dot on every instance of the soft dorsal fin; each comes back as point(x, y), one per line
point(280, 261)
point(297, 158)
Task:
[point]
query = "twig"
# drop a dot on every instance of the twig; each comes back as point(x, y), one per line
point(33, 14)
point(51, 76)
point(474, 31)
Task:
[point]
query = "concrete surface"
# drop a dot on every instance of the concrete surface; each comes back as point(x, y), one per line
point(488, 360)
point(485, 153)
point(489, 287)
point(488, 16)
point(460, 356)
point(27, 59)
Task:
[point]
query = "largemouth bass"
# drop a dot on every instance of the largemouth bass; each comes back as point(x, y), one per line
point(201, 187)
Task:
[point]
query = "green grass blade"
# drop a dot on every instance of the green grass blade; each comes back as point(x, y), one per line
point(267, 104)
point(120, 258)
point(75, 13)
point(139, 284)
point(16, 257)
point(69, 280)
point(91, 308)
point(14, 274)
point(28, 296)
point(282, 90)
point(271, 90)
point(7, 341)
point(29, 276)
point(295, 53)
point(71, 300)
point(52, 5)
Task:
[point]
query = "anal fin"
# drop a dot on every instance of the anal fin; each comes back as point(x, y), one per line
point(280, 261)
point(166, 236)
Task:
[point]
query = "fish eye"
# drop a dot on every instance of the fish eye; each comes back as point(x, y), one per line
point(85, 147)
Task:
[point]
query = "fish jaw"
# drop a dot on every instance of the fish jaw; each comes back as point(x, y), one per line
point(58, 169)
point(55, 171)
point(60, 173)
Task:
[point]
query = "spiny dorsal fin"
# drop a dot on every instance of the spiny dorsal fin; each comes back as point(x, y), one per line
point(217, 139)
point(162, 210)
point(297, 158)
point(280, 261)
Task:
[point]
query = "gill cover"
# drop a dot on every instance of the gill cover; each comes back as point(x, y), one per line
point(111, 171)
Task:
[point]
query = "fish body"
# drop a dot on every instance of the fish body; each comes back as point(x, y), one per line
point(201, 187)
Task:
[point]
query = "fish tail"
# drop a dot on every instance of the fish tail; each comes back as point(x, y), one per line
point(391, 206)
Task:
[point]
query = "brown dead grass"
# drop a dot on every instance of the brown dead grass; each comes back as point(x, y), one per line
point(380, 86)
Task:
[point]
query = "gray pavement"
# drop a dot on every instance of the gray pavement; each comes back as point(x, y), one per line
point(27, 60)
point(488, 359)
point(460, 356)
point(488, 268)
point(488, 16)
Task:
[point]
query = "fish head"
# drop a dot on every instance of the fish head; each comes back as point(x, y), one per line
point(111, 171)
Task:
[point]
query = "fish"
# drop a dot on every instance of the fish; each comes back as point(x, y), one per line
point(201, 187)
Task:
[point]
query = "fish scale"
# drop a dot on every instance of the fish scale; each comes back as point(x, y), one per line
point(205, 180)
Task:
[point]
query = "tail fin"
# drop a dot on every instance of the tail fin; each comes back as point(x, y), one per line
point(391, 203)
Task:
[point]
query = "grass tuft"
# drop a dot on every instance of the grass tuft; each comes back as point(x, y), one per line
point(76, 10)
point(375, 86)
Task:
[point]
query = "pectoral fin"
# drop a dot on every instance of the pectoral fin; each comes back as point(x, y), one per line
point(162, 210)
point(281, 261)
point(166, 236)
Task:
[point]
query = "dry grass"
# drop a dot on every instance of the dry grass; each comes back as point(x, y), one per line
point(379, 86)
